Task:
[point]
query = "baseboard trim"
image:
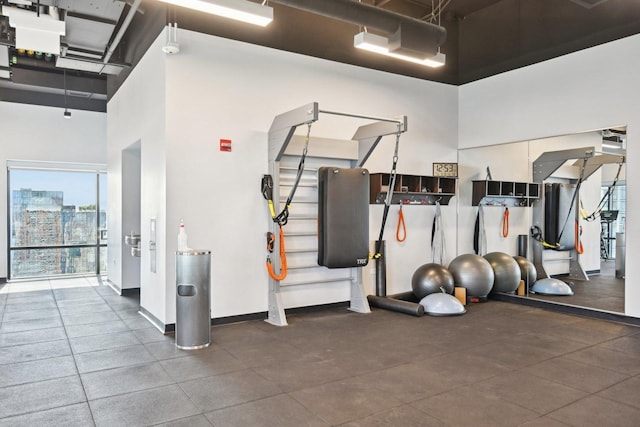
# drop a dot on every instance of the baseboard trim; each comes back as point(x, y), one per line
point(171, 327)
point(3, 280)
point(568, 309)
point(113, 286)
point(165, 329)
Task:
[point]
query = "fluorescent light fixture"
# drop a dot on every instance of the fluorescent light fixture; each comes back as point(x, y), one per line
point(241, 10)
point(379, 44)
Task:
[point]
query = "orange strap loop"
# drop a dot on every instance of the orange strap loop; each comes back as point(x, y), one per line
point(283, 259)
point(401, 226)
point(578, 243)
point(505, 223)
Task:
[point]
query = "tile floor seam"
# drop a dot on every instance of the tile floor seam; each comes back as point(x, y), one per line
point(319, 416)
point(75, 363)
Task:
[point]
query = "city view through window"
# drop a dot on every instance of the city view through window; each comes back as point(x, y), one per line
point(57, 223)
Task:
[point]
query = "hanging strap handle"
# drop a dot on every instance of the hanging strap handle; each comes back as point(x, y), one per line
point(402, 227)
point(505, 223)
point(387, 202)
point(283, 217)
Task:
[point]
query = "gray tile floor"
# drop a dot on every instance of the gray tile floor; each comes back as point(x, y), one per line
point(72, 353)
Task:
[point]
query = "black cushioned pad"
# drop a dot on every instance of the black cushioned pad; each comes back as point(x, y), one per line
point(343, 217)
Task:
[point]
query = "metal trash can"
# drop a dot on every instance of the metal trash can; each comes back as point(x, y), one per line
point(620, 255)
point(193, 299)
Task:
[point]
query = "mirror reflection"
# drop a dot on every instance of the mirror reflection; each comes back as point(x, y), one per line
point(558, 206)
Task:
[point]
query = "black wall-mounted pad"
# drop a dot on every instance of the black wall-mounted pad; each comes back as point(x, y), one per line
point(343, 217)
point(559, 215)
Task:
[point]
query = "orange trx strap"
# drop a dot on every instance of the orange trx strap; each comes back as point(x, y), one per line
point(505, 223)
point(401, 227)
point(578, 243)
point(283, 256)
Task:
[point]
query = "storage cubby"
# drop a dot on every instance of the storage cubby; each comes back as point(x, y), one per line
point(412, 189)
point(504, 193)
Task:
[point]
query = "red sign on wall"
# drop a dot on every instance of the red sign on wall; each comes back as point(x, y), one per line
point(225, 145)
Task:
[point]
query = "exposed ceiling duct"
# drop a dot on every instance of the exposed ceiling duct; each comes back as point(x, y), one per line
point(407, 35)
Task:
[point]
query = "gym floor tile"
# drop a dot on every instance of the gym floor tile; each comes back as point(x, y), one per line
point(34, 351)
point(88, 318)
point(346, 400)
point(162, 350)
point(37, 370)
point(77, 415)
point(103, 342)
point(151, 334)
point(467, 406)
point(112, 358)
point(628, 344)
point(500, 364)
point(298, 374)
point(401, 416)
point(128, 379)
point(594, 411)
point(576, 374)
point(143, 408)
point(12, 308)
point(93, 307)
point(76, 331)
point(33, 336)
point(623, 363)
point(627, 391)
point(38, 396)
point(194, 421)
point(230, 389)
point(531, 392)
point(201, 364)
point(30, 324)
point(281, 411)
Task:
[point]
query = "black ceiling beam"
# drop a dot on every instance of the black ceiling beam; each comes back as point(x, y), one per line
point(43, 78)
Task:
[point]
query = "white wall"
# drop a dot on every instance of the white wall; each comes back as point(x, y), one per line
point(38, 133)
point(218, 88)
point(136, 113)
point(559, 97)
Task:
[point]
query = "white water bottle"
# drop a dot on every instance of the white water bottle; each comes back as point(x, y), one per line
point(182, 238)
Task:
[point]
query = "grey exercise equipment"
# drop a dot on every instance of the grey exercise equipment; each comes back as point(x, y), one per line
point(506, 272)
point(543, 167)
point(431, 278)
point(528, 271)
point(442, 304)
point(551, 286)
point(474, 273)
point(281, 138)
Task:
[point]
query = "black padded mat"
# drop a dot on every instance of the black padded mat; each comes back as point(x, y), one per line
point(343, 217)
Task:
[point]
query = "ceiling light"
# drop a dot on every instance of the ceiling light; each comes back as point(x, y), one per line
point(241, 10)
point(380, 44)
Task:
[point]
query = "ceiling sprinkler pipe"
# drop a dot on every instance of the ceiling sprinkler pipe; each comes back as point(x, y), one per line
point(121, 31)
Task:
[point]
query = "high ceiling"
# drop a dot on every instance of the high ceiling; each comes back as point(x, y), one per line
point(105, 39)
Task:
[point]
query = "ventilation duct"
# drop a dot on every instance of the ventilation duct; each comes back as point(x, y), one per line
point(407, 36)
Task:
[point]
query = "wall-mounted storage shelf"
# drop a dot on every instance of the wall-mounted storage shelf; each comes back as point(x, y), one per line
point(505, 193)
point(412, 189)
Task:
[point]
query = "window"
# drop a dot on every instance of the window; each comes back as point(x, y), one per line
point(57, 222)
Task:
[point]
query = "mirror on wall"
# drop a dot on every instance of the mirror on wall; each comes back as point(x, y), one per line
point(560, 202)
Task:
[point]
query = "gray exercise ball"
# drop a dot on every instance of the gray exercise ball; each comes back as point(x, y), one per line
point(429, 278)
point(528, 271)
point(506, 272)
point(473, 273)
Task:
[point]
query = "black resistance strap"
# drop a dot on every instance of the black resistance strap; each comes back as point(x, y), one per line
point(387, 201)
